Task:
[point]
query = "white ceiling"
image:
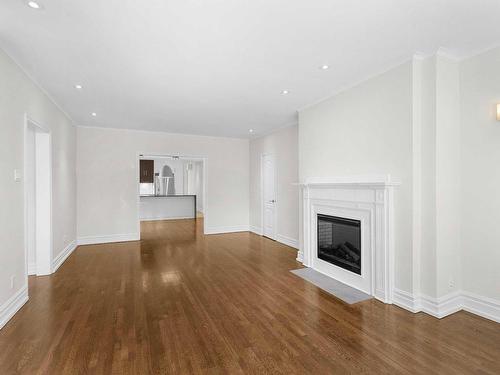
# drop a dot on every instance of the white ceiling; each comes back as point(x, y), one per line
point(217, 67)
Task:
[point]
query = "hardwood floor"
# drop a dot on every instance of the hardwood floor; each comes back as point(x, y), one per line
point(179, 302)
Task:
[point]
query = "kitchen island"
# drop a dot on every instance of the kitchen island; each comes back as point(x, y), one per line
point(167, 207)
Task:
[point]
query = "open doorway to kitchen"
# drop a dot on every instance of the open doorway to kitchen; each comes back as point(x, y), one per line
point(38, 198)
point(171, 187)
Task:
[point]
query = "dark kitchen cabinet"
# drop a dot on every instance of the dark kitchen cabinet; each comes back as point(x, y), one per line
point(147, 171)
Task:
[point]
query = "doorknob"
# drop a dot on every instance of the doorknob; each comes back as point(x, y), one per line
point(272, 201)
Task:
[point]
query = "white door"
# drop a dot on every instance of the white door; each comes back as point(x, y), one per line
point(269, 196)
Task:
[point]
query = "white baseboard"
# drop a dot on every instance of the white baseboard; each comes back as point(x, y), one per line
point(437, 307)
point(31, 268)
point(483, 306)
point(279, 237)
point(256, 230)
point(63, 255)
point(167, 218)
point(442, 306)
point(449, 304)
point(92, 240)
point(229, 229)
point(405, 300)
point(287, 241)
point(12, 305)
point(300, 256)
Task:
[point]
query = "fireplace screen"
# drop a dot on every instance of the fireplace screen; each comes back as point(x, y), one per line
point(339, 242)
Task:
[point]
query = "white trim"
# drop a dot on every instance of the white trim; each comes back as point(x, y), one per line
point(480, 51)
point(43, 226)
point(351, 180)
point(488, 308)
point(205, 195)
point(449, 304)
point(157, 131)
point(254, 136)
point(437, 307)
point(443, 52)
point(292, 242)
point(442, 306)
point(63, 255)
point(12, 305)
point(288, 241)
point(228, 229)
point(405, 300)
point(256, 230)
point(167, 218)
point(93, 240)
point(31, 268)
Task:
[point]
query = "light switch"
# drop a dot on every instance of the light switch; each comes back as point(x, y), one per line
point(17, 175)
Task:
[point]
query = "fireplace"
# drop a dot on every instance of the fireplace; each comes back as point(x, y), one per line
point(339, 242)
point(347, 231)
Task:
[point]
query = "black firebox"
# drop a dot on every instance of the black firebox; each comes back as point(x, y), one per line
point(339, 242)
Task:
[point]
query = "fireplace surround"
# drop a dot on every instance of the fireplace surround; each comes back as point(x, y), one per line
point(357, 213)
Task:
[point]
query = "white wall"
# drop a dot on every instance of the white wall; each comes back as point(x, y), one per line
point(480, 174)
point(19, 95)
point(367, 130)
point(440, 165)
point(427, 154)
point(284, 145)
point(447, 176)
point(198, 166)
point(193, 177)
point(109, 208)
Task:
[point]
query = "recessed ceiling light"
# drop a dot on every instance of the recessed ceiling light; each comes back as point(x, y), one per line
point(250, 130)
point(79, 87)
point(285, 92)
point(94, 114)
point(34, 5)
point(324, 67)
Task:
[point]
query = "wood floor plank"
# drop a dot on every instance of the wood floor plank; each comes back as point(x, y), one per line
point(179, 302)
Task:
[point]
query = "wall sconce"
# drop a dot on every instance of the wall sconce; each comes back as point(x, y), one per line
point(498, 112)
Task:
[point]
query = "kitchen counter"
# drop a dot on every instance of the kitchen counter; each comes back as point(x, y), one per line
point(164, 196)
point(167, 207)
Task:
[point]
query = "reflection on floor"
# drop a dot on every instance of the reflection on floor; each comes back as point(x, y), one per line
point(179, 302)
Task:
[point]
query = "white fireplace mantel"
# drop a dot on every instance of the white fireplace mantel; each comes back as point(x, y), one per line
point(369, 199)
point(363, 180)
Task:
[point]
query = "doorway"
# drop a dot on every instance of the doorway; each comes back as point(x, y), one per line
point(173, 188)
point(268, 174)
point(38, 198)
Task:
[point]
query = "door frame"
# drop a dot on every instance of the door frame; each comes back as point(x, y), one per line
point(43, 198)
point(262, 201)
